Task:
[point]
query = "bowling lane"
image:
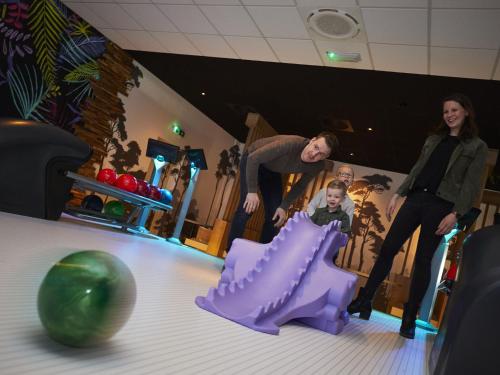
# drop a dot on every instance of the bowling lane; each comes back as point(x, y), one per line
point(167, 333)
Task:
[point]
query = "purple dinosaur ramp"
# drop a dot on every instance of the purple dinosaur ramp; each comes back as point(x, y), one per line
point(266, 285)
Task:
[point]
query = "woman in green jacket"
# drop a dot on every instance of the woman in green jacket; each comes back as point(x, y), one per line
point(441, 187)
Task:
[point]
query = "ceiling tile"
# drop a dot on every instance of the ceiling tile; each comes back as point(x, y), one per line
point(279, 22)
point(96, 1)
point(172, 1)
point(231, 20)
point(114, 15)
point(496, 76)
point(217, 2)
point(465, 4)
point(327, 3)
point(131, 1)
point(394, 3)
point(142, 40)
point(461, 62)
point(295, 51)
point(188, 19)
point(473, 28)
point(149, 16)
point(117, 38)
point(399, 58)
point(249, 48)
point(361, 48)
point(269, 2)
point(396, 26)
point(212, 45)
point(175, 43)
point(88, 15)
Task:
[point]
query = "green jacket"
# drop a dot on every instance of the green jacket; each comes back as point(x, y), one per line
point(461, 181)
point(322, 216)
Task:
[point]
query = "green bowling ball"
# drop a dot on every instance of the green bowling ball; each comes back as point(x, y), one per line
point(86, 298)
point(114, 208)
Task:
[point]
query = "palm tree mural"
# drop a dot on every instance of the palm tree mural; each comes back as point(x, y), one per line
point(371, 226)
point(223, 168)
point(119, 133)
point(184, 176)
point(366, 223)
point(124, 160)
point(231, 171)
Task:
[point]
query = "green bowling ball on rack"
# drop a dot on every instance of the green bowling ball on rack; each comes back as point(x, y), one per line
point(115, 209)
point(86, 298)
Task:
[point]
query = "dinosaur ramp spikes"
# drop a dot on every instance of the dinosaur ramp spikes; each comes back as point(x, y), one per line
point(265, 286)
point(211, 294)
point(301, 215)
point(328, 228)
point(221, 290)
point(273, 247)
point(258, 266)
point(232, 287)
point(268, 307)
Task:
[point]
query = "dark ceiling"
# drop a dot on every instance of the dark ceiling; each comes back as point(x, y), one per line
point(305, 100)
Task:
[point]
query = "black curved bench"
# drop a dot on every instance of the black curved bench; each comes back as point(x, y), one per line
point(33, 160)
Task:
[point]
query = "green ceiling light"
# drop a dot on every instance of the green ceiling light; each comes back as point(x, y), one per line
point(343, 56)
point(176, 129)
point(331, 55)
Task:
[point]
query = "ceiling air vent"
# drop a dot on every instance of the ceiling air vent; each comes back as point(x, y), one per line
point(333, 23)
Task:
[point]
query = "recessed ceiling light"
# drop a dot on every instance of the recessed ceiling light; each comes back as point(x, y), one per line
point(370, 129)
point(203, 94)
point(352, 154)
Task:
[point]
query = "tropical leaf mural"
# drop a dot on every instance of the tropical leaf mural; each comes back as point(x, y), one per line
point(14, 14)
point(83, 72)
point(47, 23)
point(75, 52)
point(57, 69)
point(27, 89)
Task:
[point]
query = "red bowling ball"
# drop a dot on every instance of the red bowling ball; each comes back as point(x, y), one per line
point(155, 193)
point(127, 182)
point(106, 175)
point(143, 188)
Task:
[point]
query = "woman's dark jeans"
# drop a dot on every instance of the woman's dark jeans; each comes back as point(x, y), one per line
point(420, 208)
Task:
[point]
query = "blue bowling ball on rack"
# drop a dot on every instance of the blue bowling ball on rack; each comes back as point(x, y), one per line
point(166, 196)
point(92, 202)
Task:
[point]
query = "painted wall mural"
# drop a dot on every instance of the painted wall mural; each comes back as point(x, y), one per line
point(227, 169)
point(56, 68)
point(49, 58)
point(367, 228)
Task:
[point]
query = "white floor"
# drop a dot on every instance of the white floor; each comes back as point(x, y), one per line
point(168, 333)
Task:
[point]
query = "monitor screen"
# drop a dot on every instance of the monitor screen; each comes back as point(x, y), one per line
point(168, 151)
point(196, 156)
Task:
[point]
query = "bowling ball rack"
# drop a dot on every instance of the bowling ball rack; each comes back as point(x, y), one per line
point(127, 223)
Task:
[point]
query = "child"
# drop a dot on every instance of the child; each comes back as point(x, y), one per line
point(335, 194)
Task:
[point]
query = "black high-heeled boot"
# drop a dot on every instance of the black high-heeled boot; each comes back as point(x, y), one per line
point(408, 324)
point(362, 305)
